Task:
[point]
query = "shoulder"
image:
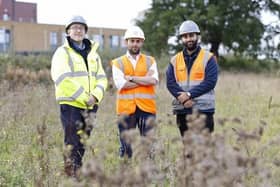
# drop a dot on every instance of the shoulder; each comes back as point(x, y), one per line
point(117, 61)
point(60, 51)
point(173, 58)
point(119, 58)
point(93, 45)
point(207, 52)
point(150, 58)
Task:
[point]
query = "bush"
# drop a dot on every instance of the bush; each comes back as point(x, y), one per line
point(247, 64)
point(37, 66)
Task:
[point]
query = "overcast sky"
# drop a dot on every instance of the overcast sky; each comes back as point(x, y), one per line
point(98, 13)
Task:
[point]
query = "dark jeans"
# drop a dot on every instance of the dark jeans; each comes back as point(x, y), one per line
point(182, 122)
point(139, 119)
point(73, 121)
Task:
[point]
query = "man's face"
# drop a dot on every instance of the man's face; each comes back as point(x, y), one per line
point(77, 32)
point(134, 45)
point(190, 41)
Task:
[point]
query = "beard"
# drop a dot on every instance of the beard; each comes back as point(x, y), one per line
point(134, 51)
point(191, 45)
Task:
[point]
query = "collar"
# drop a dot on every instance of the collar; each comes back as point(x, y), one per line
point(86, 43)
point(78, 46)
point(130, 57)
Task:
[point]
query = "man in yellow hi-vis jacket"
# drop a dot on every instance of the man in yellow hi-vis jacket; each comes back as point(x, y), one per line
point(80, 83)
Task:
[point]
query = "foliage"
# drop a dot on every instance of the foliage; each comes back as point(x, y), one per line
point(248, 64)
point(32, 62)
point(23, 69)
point(107, 55)
point(271, 48)
point(243, 151)
point(32, 69)
point(233, 23)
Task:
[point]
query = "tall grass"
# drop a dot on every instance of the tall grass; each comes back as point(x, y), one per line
point(243, 151)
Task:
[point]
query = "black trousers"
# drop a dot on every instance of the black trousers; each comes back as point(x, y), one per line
point(181, 120)
point(72, 121)
point(137, 119)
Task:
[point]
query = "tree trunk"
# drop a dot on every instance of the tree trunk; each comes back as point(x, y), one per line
point(215, 48)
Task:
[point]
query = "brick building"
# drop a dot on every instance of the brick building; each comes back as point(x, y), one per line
point(18, 11)
point(20, 32)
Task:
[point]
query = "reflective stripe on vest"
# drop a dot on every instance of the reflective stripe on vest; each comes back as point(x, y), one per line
point(75, 74)
point(133, 96)
point(194, 78)
point(141, 96)
point(73, 97)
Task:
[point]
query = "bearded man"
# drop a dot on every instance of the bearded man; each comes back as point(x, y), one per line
point(191, 76)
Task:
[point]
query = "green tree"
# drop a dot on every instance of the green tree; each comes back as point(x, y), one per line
point(235, 24)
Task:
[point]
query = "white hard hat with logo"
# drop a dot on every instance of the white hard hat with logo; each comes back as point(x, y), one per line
point(134, 32)
point(76, 19)
point(188, 26)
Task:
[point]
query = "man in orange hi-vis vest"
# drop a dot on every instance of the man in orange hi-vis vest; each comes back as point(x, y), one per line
point(191, 77)
point(135, 76)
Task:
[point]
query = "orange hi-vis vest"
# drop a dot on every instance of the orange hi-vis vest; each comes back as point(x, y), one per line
point(141, 96)
point(197, 73)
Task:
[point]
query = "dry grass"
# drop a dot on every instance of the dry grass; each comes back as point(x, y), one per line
point(243, 151)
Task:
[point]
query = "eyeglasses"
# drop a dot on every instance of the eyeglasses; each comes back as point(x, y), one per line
point(77, 27)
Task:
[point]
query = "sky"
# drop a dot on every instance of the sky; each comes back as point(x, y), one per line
point(98, 13)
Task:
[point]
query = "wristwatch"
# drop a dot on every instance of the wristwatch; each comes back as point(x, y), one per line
point(189, 94)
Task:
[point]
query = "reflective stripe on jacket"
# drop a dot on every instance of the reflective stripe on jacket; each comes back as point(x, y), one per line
point(74, 83)
point(141, 96)
point(197, 72)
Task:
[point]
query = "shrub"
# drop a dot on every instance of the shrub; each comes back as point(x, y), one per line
point(247, 64)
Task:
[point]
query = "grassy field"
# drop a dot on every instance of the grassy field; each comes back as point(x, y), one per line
point(243, 151)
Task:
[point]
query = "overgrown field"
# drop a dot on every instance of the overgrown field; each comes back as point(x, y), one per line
point(243, 150)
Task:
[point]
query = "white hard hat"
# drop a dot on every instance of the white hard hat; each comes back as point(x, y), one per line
point(188, 26)
point(76, 19)
point(134, 32)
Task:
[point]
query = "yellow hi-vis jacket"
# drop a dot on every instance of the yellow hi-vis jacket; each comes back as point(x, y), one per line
point(73, 82)
point(141, 96)
point(189, 80)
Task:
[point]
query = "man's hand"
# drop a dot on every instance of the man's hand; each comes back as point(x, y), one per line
point(183, 97)
point(92, 100)
point(128, 78)
point(189, 103)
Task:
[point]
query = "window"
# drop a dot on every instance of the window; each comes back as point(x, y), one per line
point(123, 45)
point(5, 17)
point(98, 38)
point(53, 40)
point(63, 37)
point(4, 40)
point(114, 41)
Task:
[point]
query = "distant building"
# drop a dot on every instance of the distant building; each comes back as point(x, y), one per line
point(23, 37)
point(20, 32)
point(18, 11)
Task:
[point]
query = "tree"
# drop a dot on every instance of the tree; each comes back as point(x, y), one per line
point(233, 23)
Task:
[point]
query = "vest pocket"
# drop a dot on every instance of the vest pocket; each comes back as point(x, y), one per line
point(198, 76)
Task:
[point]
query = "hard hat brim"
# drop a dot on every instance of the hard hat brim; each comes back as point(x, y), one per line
point(86, 27)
